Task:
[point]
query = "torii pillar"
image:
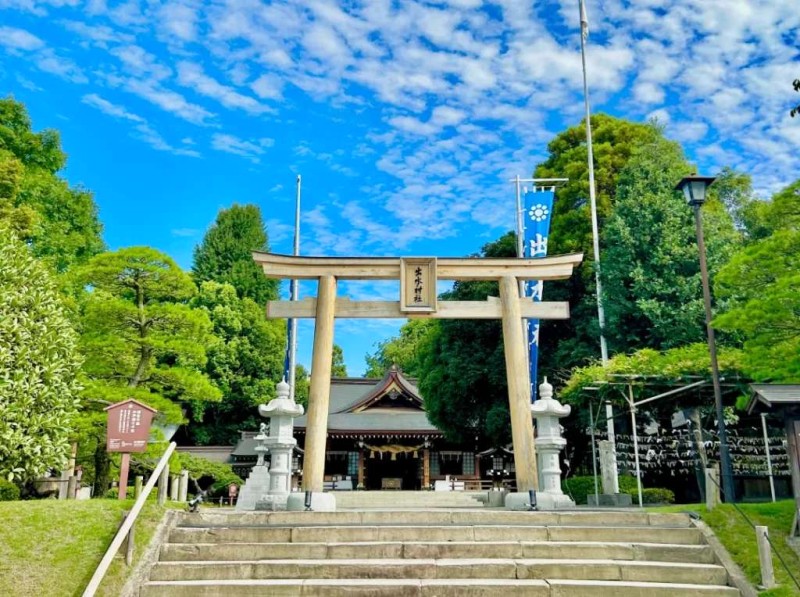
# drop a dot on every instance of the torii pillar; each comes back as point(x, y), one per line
point(418, 277)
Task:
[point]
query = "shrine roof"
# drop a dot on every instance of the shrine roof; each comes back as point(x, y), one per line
point(764, 396)
point(391, 404)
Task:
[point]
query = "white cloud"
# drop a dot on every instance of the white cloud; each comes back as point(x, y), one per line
point(107, 107)
point(168, 100)
point(50, 62)
point(191, 75)
point(19, 39)
point(232, 144)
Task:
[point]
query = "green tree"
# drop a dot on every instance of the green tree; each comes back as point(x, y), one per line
point(141, 339)
point(760, 286)
point(59, 222)
point(565, 344)
point(651, 274)
point(39, 363)
point(225, 254)
point(338, 368)
point(401, 350)
point(461, 366)
point(245, 364)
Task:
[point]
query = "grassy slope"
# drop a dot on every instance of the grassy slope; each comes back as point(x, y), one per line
point(739, 538)
point(52, 547)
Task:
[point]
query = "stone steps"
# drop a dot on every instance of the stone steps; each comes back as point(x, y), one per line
point(430, 588)
point(179, 552)
point(497, 568)
point(388, 533)
point(456, 552)
point(363, 500)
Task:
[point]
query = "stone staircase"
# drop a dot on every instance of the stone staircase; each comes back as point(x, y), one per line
point(407, 500)
point(443, 553)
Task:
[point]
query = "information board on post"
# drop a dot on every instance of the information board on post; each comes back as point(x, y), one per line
point(127, 430)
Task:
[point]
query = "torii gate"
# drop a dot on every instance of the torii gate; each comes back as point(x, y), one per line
point(418, 277)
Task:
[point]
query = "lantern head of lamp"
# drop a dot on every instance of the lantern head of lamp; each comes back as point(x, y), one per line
point(694, 188)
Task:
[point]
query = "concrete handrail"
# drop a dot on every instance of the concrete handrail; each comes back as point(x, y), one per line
point(116, 543)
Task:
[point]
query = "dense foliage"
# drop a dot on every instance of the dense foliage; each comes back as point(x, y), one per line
point(462, 366)
point(651, 274)
point(402, 350)
point(39, 363)
point(245, 363)
point(58, 221)
point(225, 254)
point(760, 285)
point(141, 339)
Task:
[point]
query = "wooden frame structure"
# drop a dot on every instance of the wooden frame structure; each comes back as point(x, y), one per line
point(510, 307)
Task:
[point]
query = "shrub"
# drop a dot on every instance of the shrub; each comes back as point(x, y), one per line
point(579, 487)
point(8, 491)
point(658, 495)
point(112, 494)
point(213, 476)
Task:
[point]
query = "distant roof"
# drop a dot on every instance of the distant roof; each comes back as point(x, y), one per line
point(389, 405)
point(766, 396)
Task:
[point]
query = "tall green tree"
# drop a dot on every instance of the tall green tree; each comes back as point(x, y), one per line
point(59, 222)
point(760, 286)
point(401, 350)
point(565, 344)
point(244, 364)
point(651, 274)
point(462, 366)
point(225, 256)
point(141, 339)
point(39, 363)
point(338, 368)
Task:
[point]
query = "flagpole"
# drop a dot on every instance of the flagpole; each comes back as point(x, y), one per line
point(295, 295)
point(601, 316)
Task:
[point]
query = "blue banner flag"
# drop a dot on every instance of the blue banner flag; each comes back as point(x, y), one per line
point(538, 209)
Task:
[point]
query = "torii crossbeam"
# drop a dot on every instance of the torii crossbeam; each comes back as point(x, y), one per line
point(418, 277)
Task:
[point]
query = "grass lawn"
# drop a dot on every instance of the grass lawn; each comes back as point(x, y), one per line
point(51, 547)
point(739, 538)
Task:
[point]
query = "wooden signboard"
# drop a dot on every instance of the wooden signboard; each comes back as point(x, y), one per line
point(418, 284)
point(127, 431)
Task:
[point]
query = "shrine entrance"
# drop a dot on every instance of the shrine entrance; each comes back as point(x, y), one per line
point(418, 299)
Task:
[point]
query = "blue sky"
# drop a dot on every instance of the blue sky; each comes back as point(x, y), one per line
point(405, 119)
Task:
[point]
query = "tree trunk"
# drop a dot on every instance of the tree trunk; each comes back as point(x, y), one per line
point(102, 469)
point(144, 350)
point(697, 436)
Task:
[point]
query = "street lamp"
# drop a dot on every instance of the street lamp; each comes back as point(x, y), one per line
point(694, 189)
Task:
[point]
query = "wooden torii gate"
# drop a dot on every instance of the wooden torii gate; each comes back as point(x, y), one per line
point(418, 277)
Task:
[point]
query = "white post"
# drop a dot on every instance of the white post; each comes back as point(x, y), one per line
point(183, 487)
point(174, 487)
point(765, 558)
point(612, 438)
point(712, 488)
point(635, 443)
point(295, 295)
point(601, 318)
point(769, 458)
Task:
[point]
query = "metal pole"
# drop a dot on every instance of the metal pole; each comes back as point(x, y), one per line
point(295, 295)
point(724, 454)
point(601, 317)
point(635, 443)
point(594, 457)
point(769, 458)
point(520, 240)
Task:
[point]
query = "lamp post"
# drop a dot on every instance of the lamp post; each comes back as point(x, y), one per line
point(694, 189)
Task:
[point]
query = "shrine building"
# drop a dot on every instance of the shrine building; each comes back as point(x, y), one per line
point(379, 437)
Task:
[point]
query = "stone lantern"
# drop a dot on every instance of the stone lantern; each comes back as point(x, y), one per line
point(257, 483)
point(280, 442)
point(547, 411)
